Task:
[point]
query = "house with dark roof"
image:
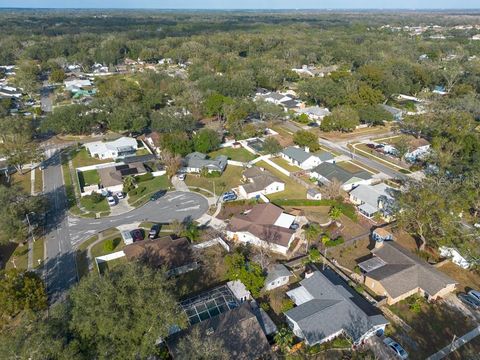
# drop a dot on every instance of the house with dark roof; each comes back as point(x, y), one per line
point(327, 172)
point(397, 273)
point(303, 158)
point(196, 162)
point(265, 225)
point(238, 332)
point(111, 177)
point(259, 181)
point(277, 275)
point(327, 307)
point(175, 255)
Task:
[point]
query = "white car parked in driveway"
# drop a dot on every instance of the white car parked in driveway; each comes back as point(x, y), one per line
point(111, 201)
point(396, 348)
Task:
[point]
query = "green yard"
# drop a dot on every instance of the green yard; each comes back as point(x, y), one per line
point(19, 258)
point(285, 164)
point(91, 205)
point(90, 177)
point(38, 252)
point(234, 154)
point(293, 190)
point(81, 157)
point(38, 185)
point(24, 181)
point(146, 188)
point(230, 179)
point(100, 249)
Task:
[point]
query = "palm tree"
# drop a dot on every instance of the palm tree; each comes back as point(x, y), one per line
point(129, 183)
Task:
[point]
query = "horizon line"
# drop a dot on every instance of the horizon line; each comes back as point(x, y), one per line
point(237, 9)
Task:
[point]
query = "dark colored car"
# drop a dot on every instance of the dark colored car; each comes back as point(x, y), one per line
point(469, 300)
point(137, 235)
point(154, 230)
point(157, 195)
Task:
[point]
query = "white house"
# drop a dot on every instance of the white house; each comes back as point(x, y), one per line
point(277, 275)
point(299, 157)
point(259, 182)
point(371, 199)
point(76, 84)
point(122, 147)
point(11, 92)
point(196, 162)
point(455, 256)
point(419, 148)
point(266, 226)
point(314, 113)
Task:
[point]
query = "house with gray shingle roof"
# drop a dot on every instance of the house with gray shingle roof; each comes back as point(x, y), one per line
point(277, 275)
point(303, 158)
point(327, 172)
point(326, 307)
point(397, 273)
point(196, 162)
point(259, 181)
point(373, 199)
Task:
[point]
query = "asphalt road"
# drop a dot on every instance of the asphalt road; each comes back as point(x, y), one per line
point(60, 267)
point(175, 205)
point(45, 98)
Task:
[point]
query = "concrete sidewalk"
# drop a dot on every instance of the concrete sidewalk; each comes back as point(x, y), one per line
point(456, 344)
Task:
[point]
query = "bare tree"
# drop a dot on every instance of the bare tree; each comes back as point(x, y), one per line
point(172, 163)
point(196, 346)
point(333, 189)
point(269, 236)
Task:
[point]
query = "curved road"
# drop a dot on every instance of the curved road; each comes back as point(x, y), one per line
point(175, 205)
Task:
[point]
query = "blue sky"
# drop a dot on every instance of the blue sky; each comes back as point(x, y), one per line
point(245, 4)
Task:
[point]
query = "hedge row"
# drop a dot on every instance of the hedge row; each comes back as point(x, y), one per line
point(347, 209)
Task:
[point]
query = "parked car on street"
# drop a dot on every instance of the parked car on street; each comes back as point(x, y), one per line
point(469, 300)
point(111, 201)
point(396, 348)
point(154, 230)
point(137, 235)
point(157, 195)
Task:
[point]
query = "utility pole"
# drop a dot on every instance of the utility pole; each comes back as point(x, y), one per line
point(30, 228)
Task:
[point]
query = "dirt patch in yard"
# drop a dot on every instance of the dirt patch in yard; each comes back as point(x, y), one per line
point(316, 214)
point(466, 279)
point(350, 255)
point(433, 326)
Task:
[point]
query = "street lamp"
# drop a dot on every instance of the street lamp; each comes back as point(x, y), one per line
point(30, 226)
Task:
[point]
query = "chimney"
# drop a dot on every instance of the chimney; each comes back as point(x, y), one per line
point(307, 149)
point(308, 273)
point(378, 243)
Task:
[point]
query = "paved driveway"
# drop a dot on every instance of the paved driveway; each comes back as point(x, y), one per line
point(175, 205)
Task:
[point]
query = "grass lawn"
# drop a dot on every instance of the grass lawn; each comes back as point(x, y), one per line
point(95, 207)
point(349, 166)
point(467, 279)
point(38, 252)
point(90, 177)
point(109, 265)
point(99, 249)
point(142, 151)
point(19, 258)
point(81, 157)
point(316, 214)
point(146, 188)
point(38, 185)
point(81, 256)
point(376, 131)
point(24, 181)
point(230, 178)
point(364, 150)
point(234, 154)
point(285, 164)
point(350, 256)
point(293, 190)
point(433, 326)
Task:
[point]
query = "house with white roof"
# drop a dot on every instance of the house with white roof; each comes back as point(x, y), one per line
point(314, 113)
point(120, 148)
point(76, 85)
point(373, 199)
point(303, 158)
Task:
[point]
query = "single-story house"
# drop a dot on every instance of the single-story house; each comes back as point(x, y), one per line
point(371, 199)
point(274, 97)
point(76, 84)
point(397, 273)
point(310, 70)
point(196, 162)
point(381, 234)
point(122, 147)
point(265, 225)
point(326, 307)
point(326, 172)
point(152, 140)
point(259, 182)
point(277, 275)
point(314, 113)
point(10, 92)
point(396, 113)
point(300, 157)
point(111, 178)
point(455, 256)
point(175, 255)
point(418, 149)
point(314, 194)
point(238, 331)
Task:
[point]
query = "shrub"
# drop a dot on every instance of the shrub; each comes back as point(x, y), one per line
point(108, 245)
point(94, 197)
point(144, 177)
point(336, 242)
point(265, 306)
point(287, 304)
point(213, 174)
